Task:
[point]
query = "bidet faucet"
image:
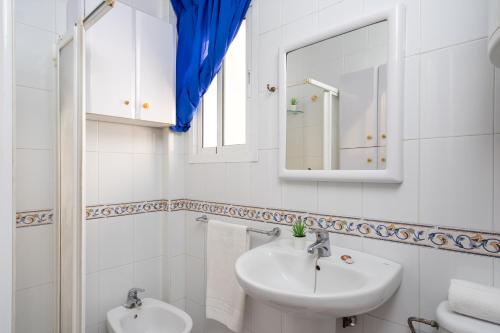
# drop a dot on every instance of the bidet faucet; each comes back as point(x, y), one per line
point(322, 243)
point(133, 301)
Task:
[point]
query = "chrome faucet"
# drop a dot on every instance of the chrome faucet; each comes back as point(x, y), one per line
point(133, 301)
point(322, 243)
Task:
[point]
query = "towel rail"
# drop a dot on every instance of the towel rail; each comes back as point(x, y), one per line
point(275, 232)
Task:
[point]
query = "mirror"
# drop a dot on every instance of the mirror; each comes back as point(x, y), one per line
point(335, 104)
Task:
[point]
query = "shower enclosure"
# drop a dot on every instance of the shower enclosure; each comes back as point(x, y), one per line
point(71, 145)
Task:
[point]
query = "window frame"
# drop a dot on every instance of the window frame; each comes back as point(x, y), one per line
point(232, 153)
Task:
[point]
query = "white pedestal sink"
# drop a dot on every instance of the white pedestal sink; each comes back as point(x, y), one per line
point(295, 281)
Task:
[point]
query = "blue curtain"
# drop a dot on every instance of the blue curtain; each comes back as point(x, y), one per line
point(206, 28)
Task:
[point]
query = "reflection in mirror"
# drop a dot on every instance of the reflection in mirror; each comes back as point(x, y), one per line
point(336, 102)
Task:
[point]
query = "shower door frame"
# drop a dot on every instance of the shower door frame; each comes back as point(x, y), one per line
point(7, 128)
point(71, 179)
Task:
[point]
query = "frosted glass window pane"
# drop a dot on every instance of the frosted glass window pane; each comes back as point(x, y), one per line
point(210, 116)
point(235, 74)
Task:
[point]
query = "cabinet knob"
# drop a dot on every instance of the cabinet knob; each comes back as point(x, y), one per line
point(383, 159)
point(126, 102)
point(145, 105)
point(369, 160)
point(369, 137)
point(384, 136)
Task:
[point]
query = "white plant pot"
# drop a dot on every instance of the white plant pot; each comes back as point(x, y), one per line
point(299, 243)
point(293, 107)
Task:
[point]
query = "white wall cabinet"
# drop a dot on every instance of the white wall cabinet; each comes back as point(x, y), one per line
point(130, 68)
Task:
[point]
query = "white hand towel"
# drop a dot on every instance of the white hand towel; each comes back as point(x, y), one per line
point(475, 300)
point(225, 299)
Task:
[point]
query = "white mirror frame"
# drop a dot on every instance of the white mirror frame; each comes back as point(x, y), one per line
point(395, 68)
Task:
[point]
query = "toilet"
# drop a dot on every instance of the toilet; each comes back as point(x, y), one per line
point(452, 322)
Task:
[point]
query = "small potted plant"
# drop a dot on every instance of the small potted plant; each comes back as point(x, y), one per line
point(299, 234)
point(293, 104)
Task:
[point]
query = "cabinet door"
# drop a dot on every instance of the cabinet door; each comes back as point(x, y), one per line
point(110, 64)
point(358, 159)
point(155, 69)
point(358, 109)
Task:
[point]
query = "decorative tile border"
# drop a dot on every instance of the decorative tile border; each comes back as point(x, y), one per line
point(122, 209)
point(459, 240)
point(34, 218)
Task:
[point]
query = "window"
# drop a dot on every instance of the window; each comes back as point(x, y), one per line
point(222, 129)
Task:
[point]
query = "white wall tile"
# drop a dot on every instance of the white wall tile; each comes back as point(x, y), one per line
point(147, 275)
point(92, 299)
point(92, 132)
point(157, 8)
point(265, 187)
point(302, 196)
point(412, 98)
point(35, 118)
point(397, 202)
point(196, 234)
point(116, 138)
point(34, 57)
point(496, 273)
point(339, 13)
point(38, 305)
point(174, 234)
point(34, 179)
point(268, 120)
point(116, 236)
point(34, 256)
point(213, 185)
point(173, 185)
point(92, 245)
point(343, 199)
point(270, 14)
point(374, 325)
point(175, 278)
point(92, 178)
point(404, 303)
point(147, 177)
point(438, 267)
point(237, 183)
point(301, 28)
point(295, 324)
point(114, 285)
point(465, 20)
point(457, 91)
point(456, 182)
point(115, 178)
point(497, 100)
point(181, 304)
point(496, 176)
point(268, 59)
point(412, 17)
point(147, 235)
point(195, 280)
point(174, 143)
point(144, 139)
point(347, 241)
point(37, 13)
point(294, 9)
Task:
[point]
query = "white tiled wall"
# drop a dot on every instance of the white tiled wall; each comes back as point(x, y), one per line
point(124, 164)
point(451, 158)
point(36, 28)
